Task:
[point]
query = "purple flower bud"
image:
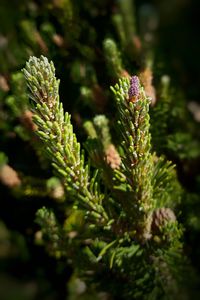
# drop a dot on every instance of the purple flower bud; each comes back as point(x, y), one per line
point(134, 87)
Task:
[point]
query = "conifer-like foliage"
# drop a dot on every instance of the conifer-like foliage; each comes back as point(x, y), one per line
point(120, 227)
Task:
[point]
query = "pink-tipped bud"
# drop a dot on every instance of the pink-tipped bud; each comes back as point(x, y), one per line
point(134, 87)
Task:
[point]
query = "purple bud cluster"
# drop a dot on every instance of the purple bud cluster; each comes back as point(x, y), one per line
point(134, 87)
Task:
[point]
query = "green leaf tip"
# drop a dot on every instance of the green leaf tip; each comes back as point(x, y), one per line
point(41, 80)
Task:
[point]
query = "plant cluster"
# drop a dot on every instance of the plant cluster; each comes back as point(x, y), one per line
point(101, 201)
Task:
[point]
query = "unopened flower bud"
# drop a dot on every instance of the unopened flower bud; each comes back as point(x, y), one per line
point(162, 216)
point(134, 89)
